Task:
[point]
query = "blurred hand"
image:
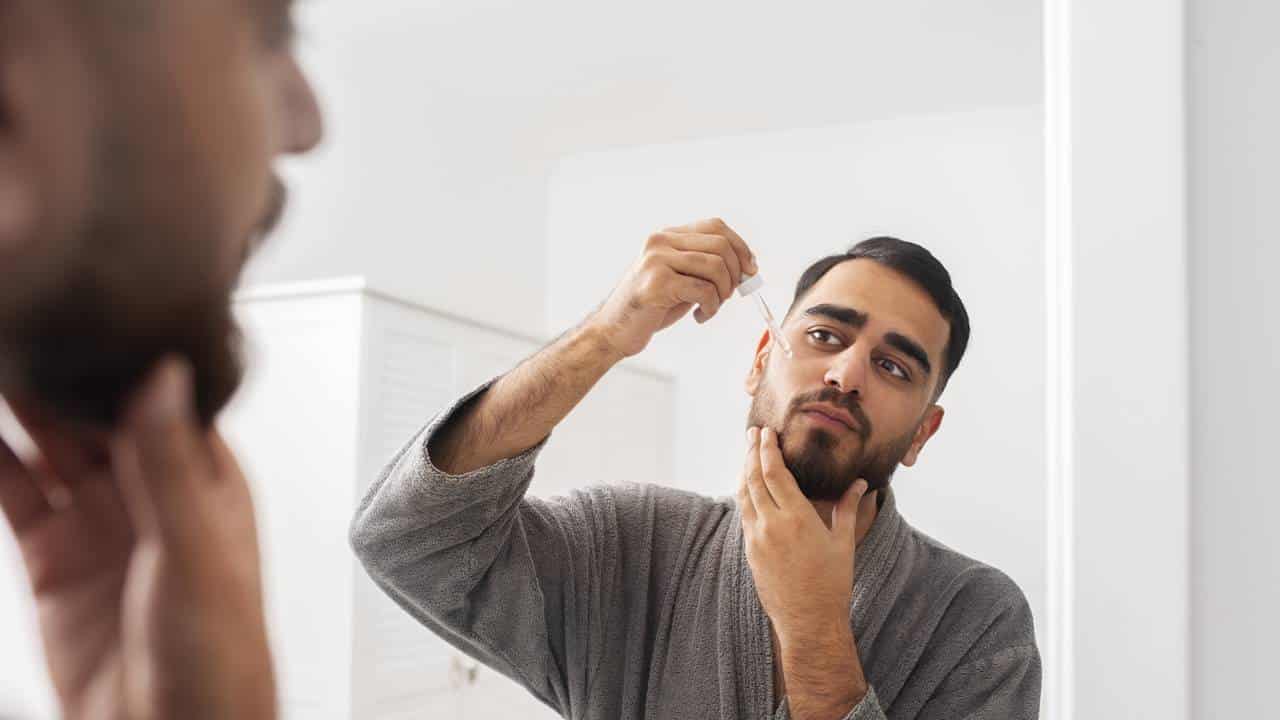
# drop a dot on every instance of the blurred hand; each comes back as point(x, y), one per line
point(145, 566)
point(697, 264)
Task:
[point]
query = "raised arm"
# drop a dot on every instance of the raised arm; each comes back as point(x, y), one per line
point(532, 587)
point(696, 264)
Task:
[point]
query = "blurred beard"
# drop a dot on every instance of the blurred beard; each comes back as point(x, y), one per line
point(130, 294)
point(813, 454)
point(88, 348)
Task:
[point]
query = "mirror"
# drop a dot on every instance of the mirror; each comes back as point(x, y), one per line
point(491, 172)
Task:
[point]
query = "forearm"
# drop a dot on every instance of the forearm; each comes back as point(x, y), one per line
point(522, 408)
point(696, 264)
point(824, 677)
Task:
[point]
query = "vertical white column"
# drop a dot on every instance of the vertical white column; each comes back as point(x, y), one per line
point(1059, 655)
point(1117, 334)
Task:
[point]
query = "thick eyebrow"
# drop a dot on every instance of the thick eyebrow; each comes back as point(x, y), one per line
point(857, 319)
point(911, 349)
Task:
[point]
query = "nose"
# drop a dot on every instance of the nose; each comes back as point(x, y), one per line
point(848, 371)
point(302, 125)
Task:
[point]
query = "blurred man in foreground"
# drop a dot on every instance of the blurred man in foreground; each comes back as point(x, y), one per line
point(137, 139)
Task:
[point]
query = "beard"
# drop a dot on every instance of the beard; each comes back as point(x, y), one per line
point(823, 462)
point(87, 349)
point(129, 292)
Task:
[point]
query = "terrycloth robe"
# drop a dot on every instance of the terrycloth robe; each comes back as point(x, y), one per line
point(636, 601)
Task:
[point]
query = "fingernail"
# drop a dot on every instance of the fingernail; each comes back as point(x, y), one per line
point(170, 393)
point(863, 490)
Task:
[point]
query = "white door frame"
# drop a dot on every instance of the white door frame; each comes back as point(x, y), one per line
point(1118, 473)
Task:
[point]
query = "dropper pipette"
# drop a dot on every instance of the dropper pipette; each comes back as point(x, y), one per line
point(751, 286)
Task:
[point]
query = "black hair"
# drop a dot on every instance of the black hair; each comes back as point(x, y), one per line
point(919, 265)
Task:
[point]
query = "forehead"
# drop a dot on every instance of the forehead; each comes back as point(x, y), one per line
point(892, 302)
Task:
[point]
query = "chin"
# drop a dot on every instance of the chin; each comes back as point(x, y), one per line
point(84, 354)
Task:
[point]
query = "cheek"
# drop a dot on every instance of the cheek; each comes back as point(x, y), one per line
point(228, 103)
point(769, 406)
point(892, 422)
point(776, 390)
point(246, 151)
point(803, 372)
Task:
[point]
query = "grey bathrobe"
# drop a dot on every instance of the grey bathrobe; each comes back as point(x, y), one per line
point(636, 601)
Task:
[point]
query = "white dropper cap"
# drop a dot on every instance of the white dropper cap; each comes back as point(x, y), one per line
point(750, 284)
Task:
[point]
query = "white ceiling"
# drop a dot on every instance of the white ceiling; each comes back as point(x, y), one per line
point(556, 77)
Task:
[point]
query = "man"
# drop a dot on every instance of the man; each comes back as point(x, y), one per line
point(136, 148)
point(809, 597)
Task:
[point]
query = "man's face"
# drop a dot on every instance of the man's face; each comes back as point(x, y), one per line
point(139, 176)
point(856, 400)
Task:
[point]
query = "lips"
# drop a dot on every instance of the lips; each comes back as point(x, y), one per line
point(833, 414)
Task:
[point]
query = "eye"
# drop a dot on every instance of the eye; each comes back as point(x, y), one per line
point(894, 369)
point(824, 337)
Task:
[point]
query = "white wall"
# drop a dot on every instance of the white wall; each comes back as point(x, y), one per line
point(969, 186)
point(445, 117)
point(1234, 69)
point(422, 209)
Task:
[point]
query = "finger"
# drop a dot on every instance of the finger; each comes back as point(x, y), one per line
point(224, 461)
point(844, 517)
point(720, 227)
point(231, 479)
point(52, 457)
point(65, 457)
point(754, 476)
point(746, 505)
point(226, 469)
point(675, 313)
point(139, 503)
point(24, 503)
point(688, 289)
point(781, 483)
point(746, 257)
point(744, 490)
point(707, 266)
point(159, 457)
point(692, 241)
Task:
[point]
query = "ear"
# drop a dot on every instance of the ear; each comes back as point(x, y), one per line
point(929, 427)
point(759, 364)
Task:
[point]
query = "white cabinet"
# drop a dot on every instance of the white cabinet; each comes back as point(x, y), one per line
point(340, 377)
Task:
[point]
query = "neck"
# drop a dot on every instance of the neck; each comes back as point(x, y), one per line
point(868, 508)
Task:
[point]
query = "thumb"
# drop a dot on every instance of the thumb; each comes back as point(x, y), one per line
point(844, 518)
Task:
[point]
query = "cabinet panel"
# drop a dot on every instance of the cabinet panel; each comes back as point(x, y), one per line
point(341, 378)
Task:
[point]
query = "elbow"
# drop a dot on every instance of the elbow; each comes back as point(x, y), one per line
point(363, 538)
point(385, 543)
